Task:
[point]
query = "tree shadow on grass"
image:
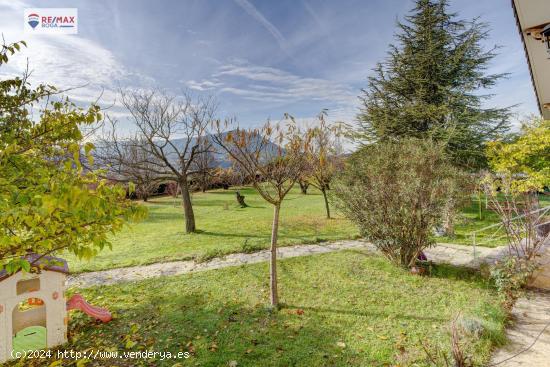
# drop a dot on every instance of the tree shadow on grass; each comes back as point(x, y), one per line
point(382, 315)
point(460, 273)
point(232, 204)
point(220, 203)
point(215, 332)
point(156, 217)
point(232, 235)
point(443, 271)
point(166, 202)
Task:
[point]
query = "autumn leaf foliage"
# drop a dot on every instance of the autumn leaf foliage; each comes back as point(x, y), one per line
point(49, 201)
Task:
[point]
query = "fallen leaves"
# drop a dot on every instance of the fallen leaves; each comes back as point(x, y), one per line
point(298, 312)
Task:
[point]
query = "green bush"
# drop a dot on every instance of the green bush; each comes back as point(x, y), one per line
point(395, 193)
point(510, 276)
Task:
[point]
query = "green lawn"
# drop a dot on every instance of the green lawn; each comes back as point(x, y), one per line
point(469, 220)
point(223, 227)
point(341, 309)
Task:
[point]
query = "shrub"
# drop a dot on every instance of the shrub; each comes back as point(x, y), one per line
point(511, 276)
point(395, 193)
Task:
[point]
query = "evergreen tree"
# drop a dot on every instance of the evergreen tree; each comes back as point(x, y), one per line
point(430, 86)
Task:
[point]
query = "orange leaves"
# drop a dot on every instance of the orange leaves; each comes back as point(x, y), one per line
point(298, 312)
point(229, 137)
point(242, 141)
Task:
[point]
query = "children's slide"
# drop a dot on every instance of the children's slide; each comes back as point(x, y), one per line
point(77, 302)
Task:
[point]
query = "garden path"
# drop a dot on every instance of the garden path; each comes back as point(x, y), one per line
point(531, 320)
point(442, 253)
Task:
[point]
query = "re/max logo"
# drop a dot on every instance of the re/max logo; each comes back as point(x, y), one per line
point(51, 20)
point(58, 21)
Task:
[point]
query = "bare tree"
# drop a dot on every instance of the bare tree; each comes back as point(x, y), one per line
point(521, 217)
point(127, 161)
point(173, 129)
point(227, 177)
point(304, 185)
point(459, 195)
point(274, 158)
point(324, 157)
point(204, 165)
point(172, 189)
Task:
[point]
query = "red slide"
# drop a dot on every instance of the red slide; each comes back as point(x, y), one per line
point(77, 302)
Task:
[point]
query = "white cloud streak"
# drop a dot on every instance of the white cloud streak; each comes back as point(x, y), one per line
point(204, 85)
point(259, 17)
point(267, 84)
point(65, 61)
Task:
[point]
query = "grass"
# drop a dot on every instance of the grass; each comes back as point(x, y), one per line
point(469, 220)
point(346, 308)
point(223, 227)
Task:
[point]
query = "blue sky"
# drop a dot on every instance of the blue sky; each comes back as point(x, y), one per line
point(259, 58)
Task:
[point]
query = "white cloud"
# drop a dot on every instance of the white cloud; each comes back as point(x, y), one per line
point(257, 73)
point(69, 62)
point(204, 85)
point(267, 84)
point(13, 4)
point(65, 61)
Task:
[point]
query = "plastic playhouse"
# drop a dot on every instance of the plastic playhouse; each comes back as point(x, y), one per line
point(33, 308)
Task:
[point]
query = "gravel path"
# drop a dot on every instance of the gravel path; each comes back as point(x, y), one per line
point(531, 316)
point(443, 253)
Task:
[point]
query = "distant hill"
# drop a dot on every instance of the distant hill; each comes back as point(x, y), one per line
point(220, 157)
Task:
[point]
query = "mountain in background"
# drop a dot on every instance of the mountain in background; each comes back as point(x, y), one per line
point(220, 157)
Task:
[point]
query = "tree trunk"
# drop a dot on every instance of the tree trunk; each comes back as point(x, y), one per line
point(204, 184)
point(240, 200)
point(449, 217)
point(303, 187)
point(174, 189)
point(273, 260)
point(324, 191)
point(187, 206)
point(479, 204)
point(448, 225)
